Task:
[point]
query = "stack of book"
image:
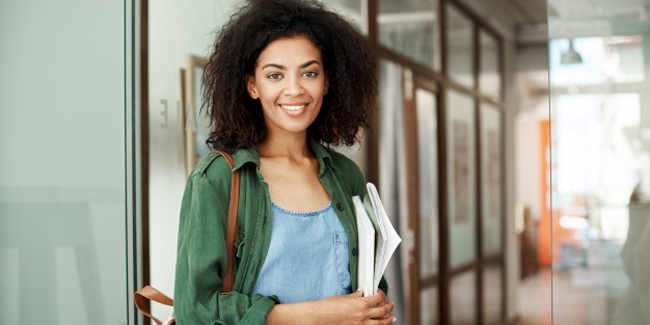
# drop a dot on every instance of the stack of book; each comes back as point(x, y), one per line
point(378, 240)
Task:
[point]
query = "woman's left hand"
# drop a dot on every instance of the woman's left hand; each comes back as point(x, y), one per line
point(383, 302)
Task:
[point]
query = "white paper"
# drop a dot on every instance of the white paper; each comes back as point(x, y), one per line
point(390, 237)
point(366, 248)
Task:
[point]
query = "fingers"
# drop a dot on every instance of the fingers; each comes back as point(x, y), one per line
point(386, 321)
point(383, 295)
point(358, 293)
point(377, 308)
point(376, 300)
point(381, 312)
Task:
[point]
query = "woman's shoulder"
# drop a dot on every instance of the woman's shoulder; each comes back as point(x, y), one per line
point(347, 171)
point(342, 162)
point(211, 167)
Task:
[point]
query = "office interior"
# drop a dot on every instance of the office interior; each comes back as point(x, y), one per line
point(511, 149)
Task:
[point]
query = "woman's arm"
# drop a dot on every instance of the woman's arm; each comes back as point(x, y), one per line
point(201, 259)
point(348, 309)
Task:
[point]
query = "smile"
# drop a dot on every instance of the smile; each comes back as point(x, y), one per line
point(293, 107)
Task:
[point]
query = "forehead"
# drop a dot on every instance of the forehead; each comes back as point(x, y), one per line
point(289, 50)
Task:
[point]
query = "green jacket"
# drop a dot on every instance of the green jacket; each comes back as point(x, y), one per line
point(201, 259)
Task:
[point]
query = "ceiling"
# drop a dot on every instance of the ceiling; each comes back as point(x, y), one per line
point(608, 9)
point(529, 11)
point(535, 11)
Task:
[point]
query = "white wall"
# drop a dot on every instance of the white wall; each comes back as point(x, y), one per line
point(176, 29)
point(62, 162)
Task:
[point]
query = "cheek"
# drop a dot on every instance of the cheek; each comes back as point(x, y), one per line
point(319, 90)
point(268, 92)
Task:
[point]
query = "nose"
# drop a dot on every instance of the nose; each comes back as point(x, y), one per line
point(293, 87)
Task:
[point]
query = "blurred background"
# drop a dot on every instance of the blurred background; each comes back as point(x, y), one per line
point(511, 149)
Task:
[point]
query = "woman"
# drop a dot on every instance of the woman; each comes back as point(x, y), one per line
point(285, 77)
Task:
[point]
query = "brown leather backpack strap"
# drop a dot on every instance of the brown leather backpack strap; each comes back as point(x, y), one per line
point(143, 296)
point(233, 207)
point(147, 293)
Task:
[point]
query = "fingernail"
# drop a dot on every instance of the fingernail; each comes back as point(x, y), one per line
point(360, 289)
point(394, 319)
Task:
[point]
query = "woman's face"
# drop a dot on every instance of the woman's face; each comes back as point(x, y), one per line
point(290, 83)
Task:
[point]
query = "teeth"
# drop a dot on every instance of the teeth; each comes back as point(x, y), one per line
point(293, 108)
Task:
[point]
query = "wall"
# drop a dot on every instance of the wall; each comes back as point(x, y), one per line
point(62, 162)
point(532, 87)
point(176, 29)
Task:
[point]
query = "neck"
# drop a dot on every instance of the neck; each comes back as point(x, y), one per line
point(286, 145)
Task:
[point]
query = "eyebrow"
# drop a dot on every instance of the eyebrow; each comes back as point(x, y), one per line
point(281, 67)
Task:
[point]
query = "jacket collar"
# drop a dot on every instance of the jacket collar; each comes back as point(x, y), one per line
point(251, 155)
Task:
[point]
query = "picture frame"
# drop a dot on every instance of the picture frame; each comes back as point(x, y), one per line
point(491, 135)
point(196, 124)
point(461, 177)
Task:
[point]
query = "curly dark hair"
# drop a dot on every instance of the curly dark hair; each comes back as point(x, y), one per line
point(237, 120)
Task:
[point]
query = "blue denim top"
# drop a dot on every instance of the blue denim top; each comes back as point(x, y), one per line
point(308, 257)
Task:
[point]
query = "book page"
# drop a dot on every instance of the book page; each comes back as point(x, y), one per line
point(366, 248)
point(391, 238)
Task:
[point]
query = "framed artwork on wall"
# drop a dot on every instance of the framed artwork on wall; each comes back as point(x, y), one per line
point(491, 178)
point(196, 125)
point(460, 168)
point(461, 177)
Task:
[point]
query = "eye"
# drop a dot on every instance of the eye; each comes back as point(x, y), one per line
point(274, 76)
point(310, 74)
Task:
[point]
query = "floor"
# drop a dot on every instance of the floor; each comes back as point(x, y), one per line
point(579, 297)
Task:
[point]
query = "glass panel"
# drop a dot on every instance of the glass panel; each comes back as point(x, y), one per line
point(62, 167)
point(355, 10)
point(597, 169)
point(429, 306)
point(491, 160)
point(460, 47)
point(601, 150)
point(490, 76)
point(493, 293)
point(410, 27)
point(463, 299)
point(596, 60)
point(461, 177)
point(428, 181)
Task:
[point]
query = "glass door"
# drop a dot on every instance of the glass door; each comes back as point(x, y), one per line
point(65, 177)
point(600, 169)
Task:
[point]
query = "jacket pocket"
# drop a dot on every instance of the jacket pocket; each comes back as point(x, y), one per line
point(240, 242)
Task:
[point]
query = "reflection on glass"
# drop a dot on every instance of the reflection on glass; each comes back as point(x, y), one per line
point(429, 306)
point(601, 59)
point(596, 153)
point(490, 74)
point(461, 177)
point(492, 293)
point(460, 62)
point(597, 168)
point(355, 10)
point(601, 151)
point(491, 179)
point(463, 299)
point(428, 182)
point(410, 28)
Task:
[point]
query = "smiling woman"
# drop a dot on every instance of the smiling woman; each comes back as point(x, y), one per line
point(290, 83)
point(345, 58)
point(286, 79)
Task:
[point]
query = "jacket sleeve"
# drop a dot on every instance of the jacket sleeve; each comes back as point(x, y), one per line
point(201, 256)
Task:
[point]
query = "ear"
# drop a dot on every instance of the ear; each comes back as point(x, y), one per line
point(251, 87)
